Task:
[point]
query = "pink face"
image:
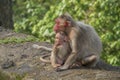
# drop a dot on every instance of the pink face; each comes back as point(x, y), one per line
point(60, 25)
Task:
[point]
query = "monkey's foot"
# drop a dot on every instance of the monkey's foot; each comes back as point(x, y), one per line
point(89, 60)
point(56, 65)
point(62, 68)
point(77, 64)
point(58, 69)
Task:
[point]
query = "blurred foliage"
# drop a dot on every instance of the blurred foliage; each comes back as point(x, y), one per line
point(37, 17)
point(6, 76)
point(19, 40)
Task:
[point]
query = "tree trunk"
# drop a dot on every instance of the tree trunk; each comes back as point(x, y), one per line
point(6, 14)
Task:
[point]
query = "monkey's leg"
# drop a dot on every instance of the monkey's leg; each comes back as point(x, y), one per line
point(89, 61)
point(76, 65)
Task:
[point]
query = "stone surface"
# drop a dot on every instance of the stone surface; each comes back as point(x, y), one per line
point(27, 63)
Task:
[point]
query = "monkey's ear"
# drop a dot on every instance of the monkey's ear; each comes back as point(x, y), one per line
point(67, 14)
point(68, 23)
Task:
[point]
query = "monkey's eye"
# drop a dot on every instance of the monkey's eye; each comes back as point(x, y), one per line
point(57, 37)
point(66, 23)
point(57, 21)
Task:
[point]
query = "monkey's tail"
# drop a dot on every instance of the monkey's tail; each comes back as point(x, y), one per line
point(105, 66)
point(41, 47)
point(42, 58)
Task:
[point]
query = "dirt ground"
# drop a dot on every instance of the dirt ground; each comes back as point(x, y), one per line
point(27, 62)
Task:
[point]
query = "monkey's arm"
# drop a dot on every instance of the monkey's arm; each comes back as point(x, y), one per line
point(53, 57)
point(72, 57)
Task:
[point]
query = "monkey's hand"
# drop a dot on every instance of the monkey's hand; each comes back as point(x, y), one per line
point(61, 68)
point(56, 65)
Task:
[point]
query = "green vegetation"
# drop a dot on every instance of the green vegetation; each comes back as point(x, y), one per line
point(5, 76)
point(36, 17)
point(18, 40)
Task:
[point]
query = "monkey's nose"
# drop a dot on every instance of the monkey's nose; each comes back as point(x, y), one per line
point(56, 28)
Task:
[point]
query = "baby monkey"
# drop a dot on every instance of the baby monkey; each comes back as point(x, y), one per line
point(61, 49)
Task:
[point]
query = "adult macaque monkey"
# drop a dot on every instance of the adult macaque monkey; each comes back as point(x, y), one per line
point(84, 42)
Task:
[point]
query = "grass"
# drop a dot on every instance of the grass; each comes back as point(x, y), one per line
point(18, 40)
point(5, 76)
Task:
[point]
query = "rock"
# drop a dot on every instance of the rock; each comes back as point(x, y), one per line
point(27, 63)
point(24, 68)
point(23, 56)
point(11, 55)
point(7, 64)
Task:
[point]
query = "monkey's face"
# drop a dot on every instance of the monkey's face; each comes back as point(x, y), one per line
point(59, 37)
point(60, 24)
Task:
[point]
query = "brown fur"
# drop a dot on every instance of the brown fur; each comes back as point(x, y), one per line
point(59, 52)
point(85, 43)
